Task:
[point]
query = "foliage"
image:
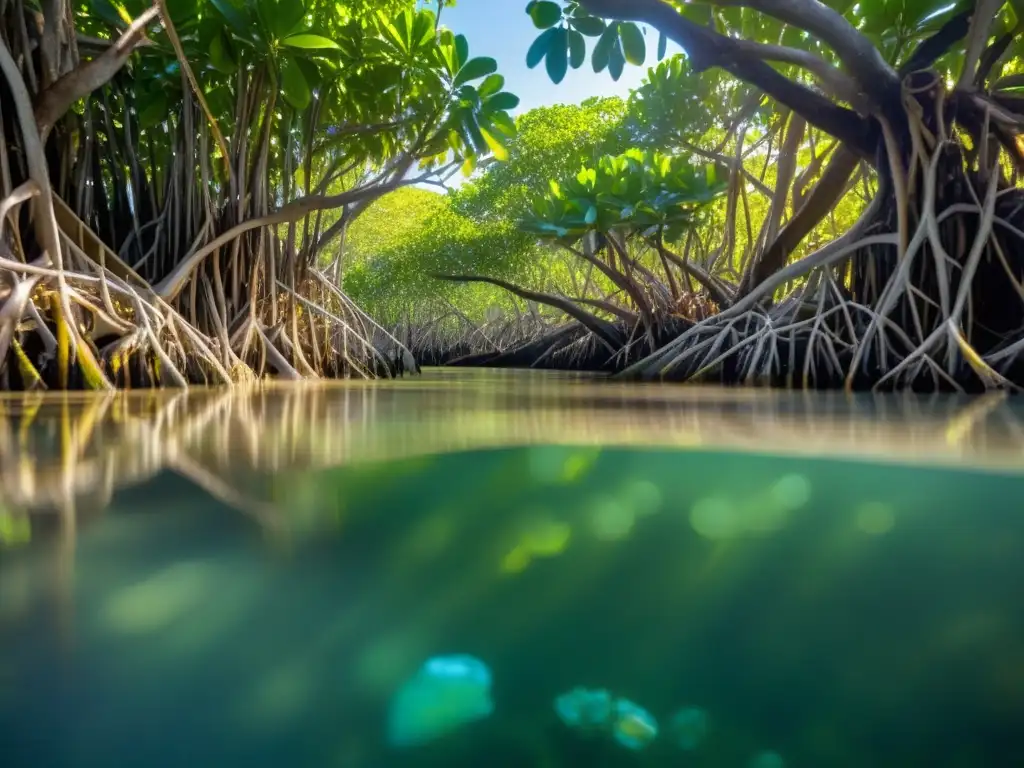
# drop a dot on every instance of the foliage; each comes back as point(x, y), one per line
point(550, 142)
point(563, 42)
point(205, 162)
point(633, 192)
point(914, 102)
point(407, 236)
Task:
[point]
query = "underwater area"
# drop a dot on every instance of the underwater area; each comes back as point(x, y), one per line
point(474, 568)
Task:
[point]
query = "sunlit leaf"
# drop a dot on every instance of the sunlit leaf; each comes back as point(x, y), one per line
point(491, 85)
point(504, 101)
point(475, 69)
point(633, 46)
point(307, 40)
point(545, 14)
point(497, 148)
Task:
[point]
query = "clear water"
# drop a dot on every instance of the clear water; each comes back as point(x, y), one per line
point(247, 579)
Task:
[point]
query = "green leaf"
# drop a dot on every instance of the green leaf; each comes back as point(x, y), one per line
point(105, 10)
point(603, 49)
point(237, 18)
point(545, 14)
point(490, 86)
point(462, 50)
point(284, 16)
point(154, 111)
point(587, 25)
point(307, 40)
point(633, 45)
point(616, 63)
point(310, 71)
point(220, 54)
point(558, 55)
point(539, 49)
point(293, 84)
point(577, 49)
point(475, 69)
point(662, 45)
point(504, 123)
point(503, 101)
point(497, 148)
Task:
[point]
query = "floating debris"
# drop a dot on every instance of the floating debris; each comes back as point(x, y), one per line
point(689, 727)
point(634, 727)
point(585, 709)
point(446, 693)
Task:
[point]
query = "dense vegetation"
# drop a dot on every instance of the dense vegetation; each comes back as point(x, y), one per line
point(813, 194)
point(172, 173)
point(866, 230)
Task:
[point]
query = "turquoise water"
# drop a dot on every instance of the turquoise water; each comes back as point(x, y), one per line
point(250, 580)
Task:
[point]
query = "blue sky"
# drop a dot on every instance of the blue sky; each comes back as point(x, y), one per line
point(502, 29)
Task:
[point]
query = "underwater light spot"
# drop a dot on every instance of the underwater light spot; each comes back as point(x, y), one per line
point(791, 491)
point(689, 727)
point(715, 517)
point(547, 538)
point(15, 530)
point(634, 727)
point(585, 708)
point(764, 515)
point(546, 463)
point(767, 759)
point(517, 560)
point(161, 600)
point(446, 694)
point(610, 520)
point(577, 465)
point(875, 518)
point(644, 496)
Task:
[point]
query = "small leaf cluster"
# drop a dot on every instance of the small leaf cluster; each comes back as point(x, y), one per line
point(562, 44)
point(636, 191)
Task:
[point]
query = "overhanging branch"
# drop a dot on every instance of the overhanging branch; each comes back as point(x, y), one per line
point(80, 82)
point(707, 48)
point(858, 54)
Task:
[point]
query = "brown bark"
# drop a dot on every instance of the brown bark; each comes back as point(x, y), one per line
point(58, 98)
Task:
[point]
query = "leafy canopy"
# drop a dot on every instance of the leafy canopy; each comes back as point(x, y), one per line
point(373, 79)
point(635, 191)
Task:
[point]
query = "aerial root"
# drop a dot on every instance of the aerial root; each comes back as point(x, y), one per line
point(83, 325)
point(918, 331)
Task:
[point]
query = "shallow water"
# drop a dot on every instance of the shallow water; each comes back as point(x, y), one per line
point(248, 578)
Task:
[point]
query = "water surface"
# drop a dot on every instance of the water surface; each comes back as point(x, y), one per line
point(246, 578)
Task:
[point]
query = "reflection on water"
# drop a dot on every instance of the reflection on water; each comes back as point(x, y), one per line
point(518, 570)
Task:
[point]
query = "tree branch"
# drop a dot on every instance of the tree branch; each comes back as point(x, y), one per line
point(935, 46)
point(826, 193)
point(603, 330)
point(859, 55)
point(707, 48)
point(832, 80)
point(80, 82)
